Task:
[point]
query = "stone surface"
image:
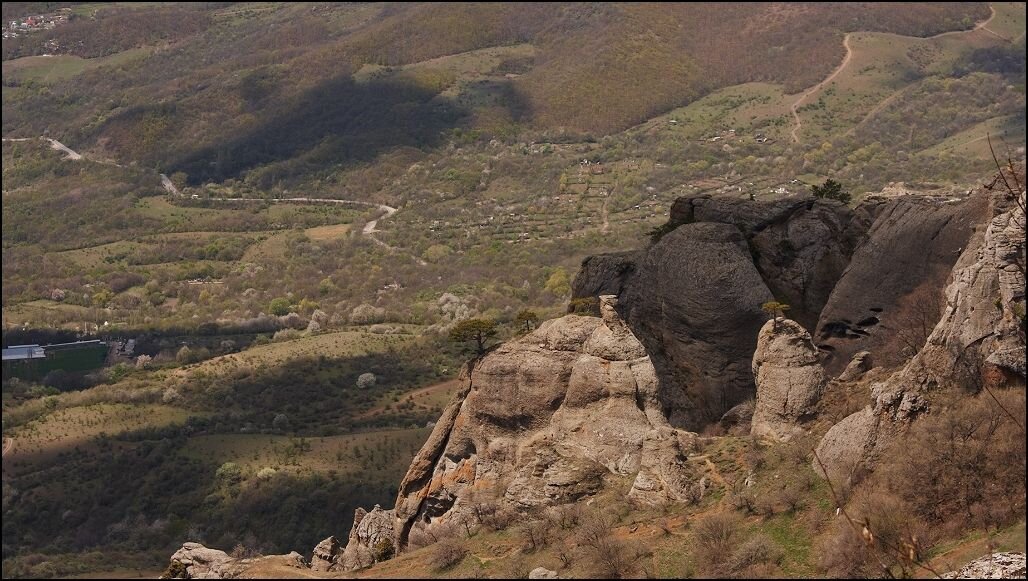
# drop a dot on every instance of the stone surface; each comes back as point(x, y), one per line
point(979, 324)
point(994, 566)
point(369, 531)
point(857, 367)
point(542, 573)
point(325, 555)
point(896, 271)
point(199, 562)
point(544, 420)
point(789, 377)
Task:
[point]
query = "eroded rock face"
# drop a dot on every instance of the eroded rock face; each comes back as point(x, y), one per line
point(325, 555)
point(544, 420)
point(195, 561)
point(896, 276)
point(694, 297)
point(979, 325)
point(994, 566)
point(371, 539)
point(789, 377)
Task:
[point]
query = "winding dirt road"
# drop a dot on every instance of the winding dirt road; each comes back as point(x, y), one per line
point(369, 230)
point(794, 108)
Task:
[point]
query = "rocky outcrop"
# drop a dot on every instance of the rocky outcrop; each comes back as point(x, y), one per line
point(542, 573)
point(857, 367)
point(547, 419)
point(981, 324)
point(326, 554)
point(693, 298)
point(994, 566)
point(892, 285)
point(789, 377)
point(195, 561)
point(372, 539)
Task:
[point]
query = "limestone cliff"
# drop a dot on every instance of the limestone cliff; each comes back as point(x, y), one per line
point(855, 277)
point(979, 339)
point(543, 420)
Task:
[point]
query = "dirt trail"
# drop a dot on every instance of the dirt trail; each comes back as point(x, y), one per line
point(979, 26)
point(606, 216)
point(369, 229)
point(8, 444)
point(794, 108)
point(877, 108)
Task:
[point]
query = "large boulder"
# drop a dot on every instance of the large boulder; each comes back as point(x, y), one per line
point(695, 305)
point(789, 377)
point(195, 561)
point(547, 419)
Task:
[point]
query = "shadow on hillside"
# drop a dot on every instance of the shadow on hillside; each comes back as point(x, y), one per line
point(338, 122)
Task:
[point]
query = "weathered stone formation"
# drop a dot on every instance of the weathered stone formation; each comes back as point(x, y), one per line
point(855, 276)
point(790, 379)
point(896, 277)
point(195, 561)
point(977, 340)
point(371, 539)
point(326, 555)
point(994, 566)
point(693, 298)
point(544, 420)
point(861, 363)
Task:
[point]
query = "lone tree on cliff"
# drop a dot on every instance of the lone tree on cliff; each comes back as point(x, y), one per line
point(775, 309)
point(832, 190)
point(477, 330)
